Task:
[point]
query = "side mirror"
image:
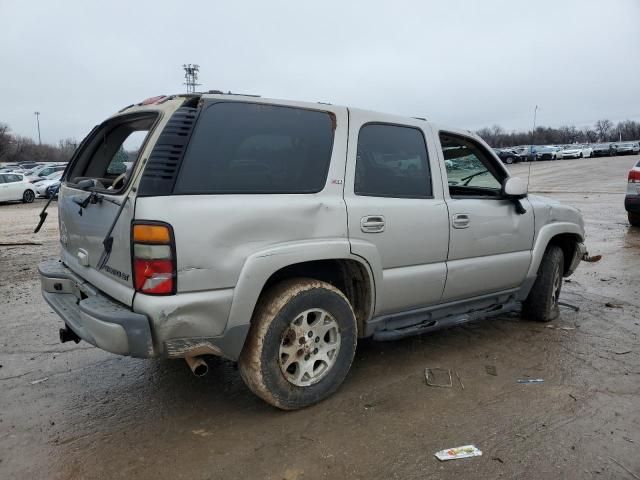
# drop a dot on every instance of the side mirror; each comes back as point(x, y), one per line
point(514, 187)
point(84, 184)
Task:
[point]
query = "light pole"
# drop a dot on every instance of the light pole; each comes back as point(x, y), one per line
point(37, 114)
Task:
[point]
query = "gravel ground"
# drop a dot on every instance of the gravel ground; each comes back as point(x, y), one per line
point(73, 411)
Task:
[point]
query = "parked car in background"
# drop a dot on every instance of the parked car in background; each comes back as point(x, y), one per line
point(14, 186)
point(575, 151)
point(527, 153)
point(507, 156)
point(603, 150)
point(626, 148)
point(42, 186)
point(29, 165)
point(547, 153)
point(40, 173)
point(632, 199)
point(52, 190)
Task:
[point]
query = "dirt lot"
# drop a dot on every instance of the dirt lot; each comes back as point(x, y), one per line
point(73, 411)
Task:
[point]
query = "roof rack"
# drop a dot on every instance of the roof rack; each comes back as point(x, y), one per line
point(220, 92)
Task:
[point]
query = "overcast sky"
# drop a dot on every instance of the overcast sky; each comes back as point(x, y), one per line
point(465, 63)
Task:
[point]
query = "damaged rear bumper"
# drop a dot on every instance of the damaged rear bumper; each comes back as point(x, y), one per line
point(92, 316)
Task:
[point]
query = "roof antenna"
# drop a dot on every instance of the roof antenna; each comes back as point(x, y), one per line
point(533, 134)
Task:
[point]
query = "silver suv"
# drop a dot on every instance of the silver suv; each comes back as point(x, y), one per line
point(278, 233)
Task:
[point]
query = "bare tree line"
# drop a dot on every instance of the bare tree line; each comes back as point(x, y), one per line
point(602, 131)
point(16, 148)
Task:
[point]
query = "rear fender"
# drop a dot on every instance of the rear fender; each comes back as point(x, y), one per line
point(260, 266)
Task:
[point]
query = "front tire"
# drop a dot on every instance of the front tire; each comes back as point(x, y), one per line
point(508, 160)
point(634, 219)
point(542, 303)
point(28, 196)
point(301, 343)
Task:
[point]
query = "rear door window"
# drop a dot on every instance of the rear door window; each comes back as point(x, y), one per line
point(257, 148)
point(392, 161)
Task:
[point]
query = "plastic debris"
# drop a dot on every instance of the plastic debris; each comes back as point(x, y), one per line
point(531, 380)
point(35, 382)
point(438, 377)
point(491, 370)
point(568, 305)
point(612, 305)
point(458, 452)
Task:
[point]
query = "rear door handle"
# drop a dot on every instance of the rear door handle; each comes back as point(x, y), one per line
point(461, 220)
point(372, 224)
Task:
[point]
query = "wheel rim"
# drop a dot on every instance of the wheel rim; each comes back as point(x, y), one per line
point(28, 196)
point(309, 347)
point(556, 287)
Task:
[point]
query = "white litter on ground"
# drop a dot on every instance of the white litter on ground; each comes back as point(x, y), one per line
point(458, 452)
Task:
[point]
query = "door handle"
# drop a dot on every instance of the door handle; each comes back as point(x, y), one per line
point(372, 224)
point(461, 220)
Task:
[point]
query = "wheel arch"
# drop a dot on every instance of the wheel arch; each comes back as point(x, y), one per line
point(330, 261)
point(349, 276)
point(563, 234)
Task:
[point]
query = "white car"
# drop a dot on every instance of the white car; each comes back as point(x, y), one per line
point(576, 151)
point(14, 186)
point(41, 187)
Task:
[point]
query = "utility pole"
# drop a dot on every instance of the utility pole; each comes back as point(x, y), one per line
point(191, 76)
point(37, 114)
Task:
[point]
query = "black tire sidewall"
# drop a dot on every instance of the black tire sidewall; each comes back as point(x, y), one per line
point(287, 394)
point(28, 196)
point(538, 305)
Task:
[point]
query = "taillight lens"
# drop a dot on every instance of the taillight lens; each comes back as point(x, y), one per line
point(153, 254)
point(634, 176)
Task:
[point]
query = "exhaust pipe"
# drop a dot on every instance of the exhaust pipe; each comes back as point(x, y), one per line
point(197, 365)
point(68, 335)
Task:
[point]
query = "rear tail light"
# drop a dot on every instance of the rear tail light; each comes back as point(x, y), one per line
point(154, 259)
point(634, 176)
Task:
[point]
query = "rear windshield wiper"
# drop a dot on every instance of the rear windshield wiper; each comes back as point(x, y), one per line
point(83, 185)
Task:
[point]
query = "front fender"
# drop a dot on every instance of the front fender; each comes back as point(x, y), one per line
point(544, 236)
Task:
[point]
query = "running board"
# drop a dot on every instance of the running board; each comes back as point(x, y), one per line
point(431, 325)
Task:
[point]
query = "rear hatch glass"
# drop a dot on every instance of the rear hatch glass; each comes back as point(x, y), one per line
point(90, 197)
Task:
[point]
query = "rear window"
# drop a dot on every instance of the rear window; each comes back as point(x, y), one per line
point(254, 148)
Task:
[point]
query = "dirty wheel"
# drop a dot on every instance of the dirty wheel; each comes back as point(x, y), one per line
point(28, 196)
point(301, 343)
point(542, 303)
point(634, 219)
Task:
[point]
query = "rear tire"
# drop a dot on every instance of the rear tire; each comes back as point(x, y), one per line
point(301, 343)
point(634, 219)
point(542, 303)
point(28, 196)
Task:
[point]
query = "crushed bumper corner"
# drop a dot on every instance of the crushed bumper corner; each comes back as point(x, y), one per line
point(94, 317)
